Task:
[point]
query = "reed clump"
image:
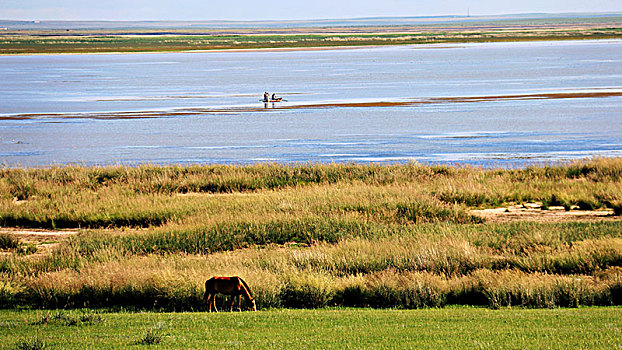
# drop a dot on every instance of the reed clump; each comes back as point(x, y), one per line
point(8, 241)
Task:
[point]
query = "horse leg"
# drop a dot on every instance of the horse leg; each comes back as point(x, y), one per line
point(239, 302)
point(232, 302)
point(209, 302)
point(214, 303)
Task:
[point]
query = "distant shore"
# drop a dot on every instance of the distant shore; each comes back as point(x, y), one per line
point(288, 39)
point(266, 49)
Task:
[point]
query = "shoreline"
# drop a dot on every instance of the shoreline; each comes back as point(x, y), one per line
point(267, 49)
point(326, 47)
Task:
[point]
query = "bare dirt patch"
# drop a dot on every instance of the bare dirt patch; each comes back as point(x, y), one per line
point(44, 240)
point(535, 212)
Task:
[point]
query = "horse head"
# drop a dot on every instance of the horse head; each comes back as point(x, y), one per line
point(253, 304)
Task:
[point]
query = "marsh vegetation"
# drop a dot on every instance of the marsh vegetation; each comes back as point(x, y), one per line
point(93, 41)
point(404, 236)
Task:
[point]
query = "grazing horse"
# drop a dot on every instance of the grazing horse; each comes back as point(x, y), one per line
point(229, 286)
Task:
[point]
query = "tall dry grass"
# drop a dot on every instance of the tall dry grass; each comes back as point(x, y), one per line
point(436, 265)
point(73, 197)
point(78, 194)
point(312, 235)
point(281, 277)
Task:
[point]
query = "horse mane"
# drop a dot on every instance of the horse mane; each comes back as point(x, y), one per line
point(248, 289)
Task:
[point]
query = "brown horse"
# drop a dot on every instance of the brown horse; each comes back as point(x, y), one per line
point(229, 286)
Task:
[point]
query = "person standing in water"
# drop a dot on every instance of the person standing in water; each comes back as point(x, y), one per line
point(266, 97)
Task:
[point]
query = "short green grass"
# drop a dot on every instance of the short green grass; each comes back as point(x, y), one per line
point(449, 328)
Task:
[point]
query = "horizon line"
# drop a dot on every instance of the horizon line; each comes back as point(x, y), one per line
point(33, 20)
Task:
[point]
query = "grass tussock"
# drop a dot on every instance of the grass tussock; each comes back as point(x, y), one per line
point(311, 236)
point(8, 241)
point(152, 336)
point(11, 243)
point(31, 344)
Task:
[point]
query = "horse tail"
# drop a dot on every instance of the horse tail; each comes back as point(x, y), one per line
point(248, 289)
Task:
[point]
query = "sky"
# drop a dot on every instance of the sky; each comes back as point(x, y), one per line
point(248, 10)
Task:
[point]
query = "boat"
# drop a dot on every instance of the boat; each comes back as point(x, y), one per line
point(277, 100)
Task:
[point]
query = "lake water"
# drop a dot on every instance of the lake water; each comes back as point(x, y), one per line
point(498, 104)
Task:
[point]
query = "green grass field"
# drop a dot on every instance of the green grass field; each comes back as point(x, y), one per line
point(449, 328)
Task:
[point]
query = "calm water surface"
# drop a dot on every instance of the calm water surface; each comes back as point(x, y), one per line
point(484, 104)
